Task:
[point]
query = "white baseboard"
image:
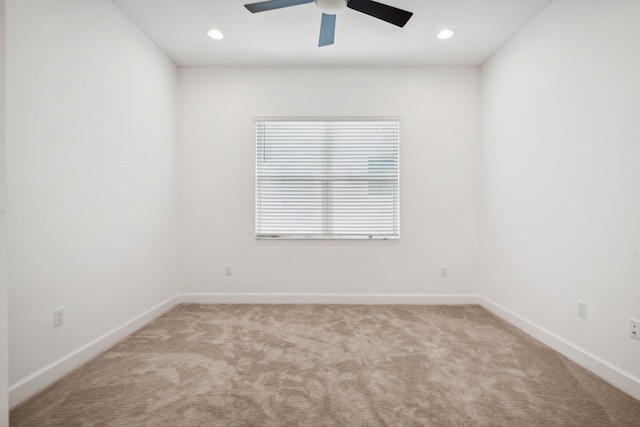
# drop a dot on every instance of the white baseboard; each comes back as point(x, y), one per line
point(29, 386)
point(369, 299)
point(625, 381)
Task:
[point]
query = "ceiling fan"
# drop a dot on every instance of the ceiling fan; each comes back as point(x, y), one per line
point(329, 9)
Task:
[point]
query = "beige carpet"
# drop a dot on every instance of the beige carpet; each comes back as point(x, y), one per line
point(329, 365)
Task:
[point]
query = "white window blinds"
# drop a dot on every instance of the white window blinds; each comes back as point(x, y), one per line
point(327, 179)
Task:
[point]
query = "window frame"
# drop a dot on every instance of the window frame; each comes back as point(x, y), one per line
point(321, 236)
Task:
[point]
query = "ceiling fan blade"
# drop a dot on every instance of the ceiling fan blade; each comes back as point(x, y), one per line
point(274, 4)
point(327, 29)
point(387, 13)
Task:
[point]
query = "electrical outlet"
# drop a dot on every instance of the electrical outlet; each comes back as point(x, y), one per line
point(227, 270)
point(582, 309)
point(443, 272)
point(58, 316)
point(634, 328)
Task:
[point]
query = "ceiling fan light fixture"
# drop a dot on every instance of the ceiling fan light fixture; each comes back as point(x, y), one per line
point(446, 33)
point(331, 7)
point(215, 34)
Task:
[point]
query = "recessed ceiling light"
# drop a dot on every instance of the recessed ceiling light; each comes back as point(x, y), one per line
point(215, 34)
point(446, 34)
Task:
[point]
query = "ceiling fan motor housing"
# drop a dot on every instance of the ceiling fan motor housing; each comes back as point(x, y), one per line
point(331, 6)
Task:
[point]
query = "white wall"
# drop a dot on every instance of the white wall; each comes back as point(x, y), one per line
point(439, 185)
point(561, 176)
point(91, 176)
point(4, 305)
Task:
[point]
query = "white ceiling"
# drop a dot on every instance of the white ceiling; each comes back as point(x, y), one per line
point(289, 36)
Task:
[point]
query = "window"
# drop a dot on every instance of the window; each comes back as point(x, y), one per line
point(327, 179)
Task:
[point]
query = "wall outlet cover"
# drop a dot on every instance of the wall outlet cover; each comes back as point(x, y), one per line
point(58, 316)
point(582, 309)
point(634, 328)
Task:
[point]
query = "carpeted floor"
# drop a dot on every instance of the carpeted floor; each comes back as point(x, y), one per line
point(329, 365)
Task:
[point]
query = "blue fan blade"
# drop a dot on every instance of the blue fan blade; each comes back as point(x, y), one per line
point(274, 4)
point(327, 29)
